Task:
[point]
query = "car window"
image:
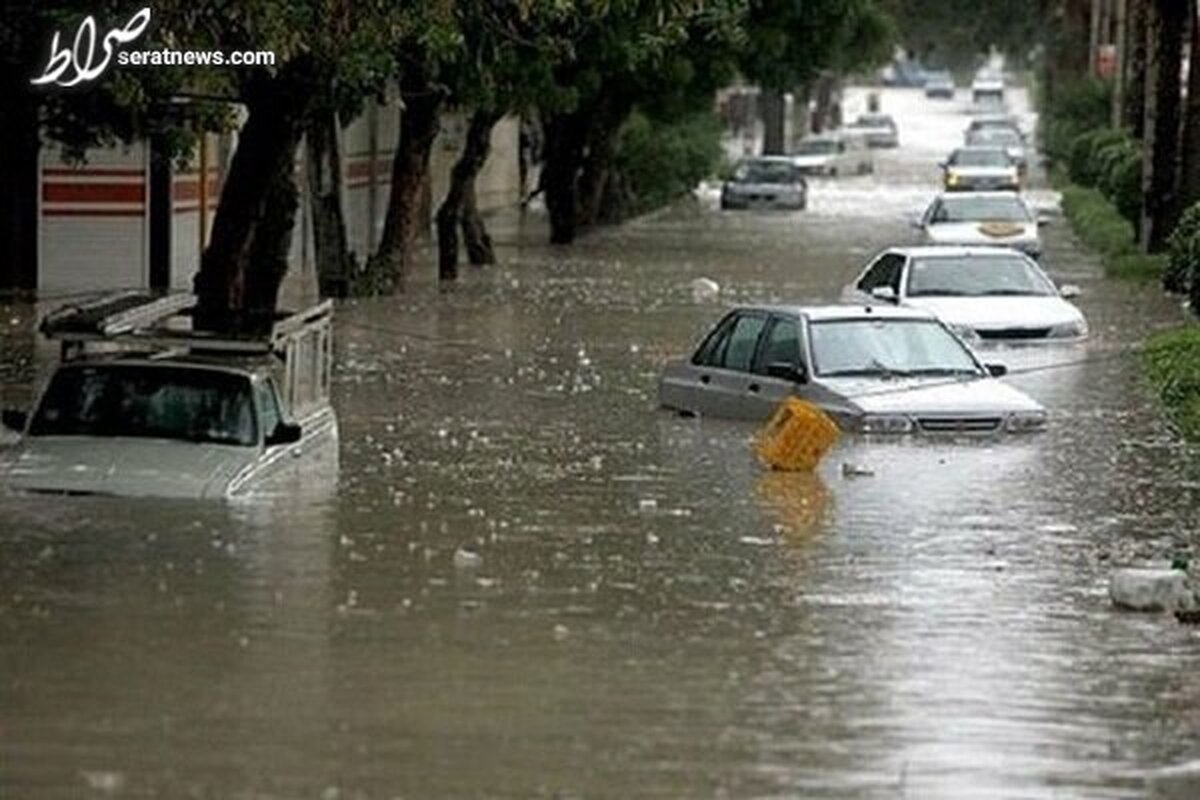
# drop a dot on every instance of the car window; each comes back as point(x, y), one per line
point(999, 275)
point(781, 344)
point(743, 341)
point(885, 272)
point(268, 406)
point(160, 402)
point(708, 354)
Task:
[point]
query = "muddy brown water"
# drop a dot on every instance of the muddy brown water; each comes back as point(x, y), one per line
point(651, 613)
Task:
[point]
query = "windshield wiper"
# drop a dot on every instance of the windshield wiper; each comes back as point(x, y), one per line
point(944, 371)
point(1011, 293)
point(876, 368)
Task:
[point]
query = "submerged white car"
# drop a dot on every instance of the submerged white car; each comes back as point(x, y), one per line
point(874, 369)
point(977, 169)
point(833, 154)
point(988, 294)
point(164, 412)
point(979, 219)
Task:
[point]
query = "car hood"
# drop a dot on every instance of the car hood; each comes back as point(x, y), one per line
point(984, 172)
point(992, 313)
point(939, 396)
point(127, 467)
point(761, 188)
point(814, 160)
point(981, 232)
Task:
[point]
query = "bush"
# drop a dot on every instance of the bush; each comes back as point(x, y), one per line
point(1074, 109)
point(1097, 222)
point(1083, 164)
point(1183, 256)
point(661, 161)
point(1136, 266)
point(1172, 364)
point(1121, 178)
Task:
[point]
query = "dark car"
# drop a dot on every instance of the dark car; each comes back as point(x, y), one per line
point(769, 181)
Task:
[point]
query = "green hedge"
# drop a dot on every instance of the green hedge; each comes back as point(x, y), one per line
point(1101, 227)
point(1111, 161)
point(1183, 253)
point(1172, 364)
point(1075, 108)
point(663, 160)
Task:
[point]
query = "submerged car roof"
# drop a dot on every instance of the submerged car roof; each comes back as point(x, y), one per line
point(843, 311)
point(239, 363)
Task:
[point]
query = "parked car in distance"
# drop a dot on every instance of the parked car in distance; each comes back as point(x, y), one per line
point(904, 73)
point(987, 94)
point(832, 154)
point(989, 294)
point(1001, 219)
point(765, 182)
point(975, 169)
point(939, 84)
point(879, 130)
point(1007, 138)
point(873, 368)
point(166, 412)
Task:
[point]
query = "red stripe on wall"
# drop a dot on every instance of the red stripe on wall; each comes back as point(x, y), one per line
point(106, 171)
point(93, 212)
point(190, 190)
point(60, 192)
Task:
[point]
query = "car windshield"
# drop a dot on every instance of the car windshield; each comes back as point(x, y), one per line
point(874, 121)
point(990, 157)
point(998, 136)
point(888, 348)
point(160, 402)
point(765, 172)
point(987, 208)
point(977, 276)
point(816, 147)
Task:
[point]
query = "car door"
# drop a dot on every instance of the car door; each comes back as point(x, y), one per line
point(780, 345)
point(731, 381)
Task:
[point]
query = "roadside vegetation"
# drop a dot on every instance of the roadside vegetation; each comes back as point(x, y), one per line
point(1123, 145)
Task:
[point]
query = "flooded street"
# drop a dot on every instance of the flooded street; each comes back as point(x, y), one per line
point(527, 581)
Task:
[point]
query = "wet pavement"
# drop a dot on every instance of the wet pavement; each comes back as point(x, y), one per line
point(526, 581)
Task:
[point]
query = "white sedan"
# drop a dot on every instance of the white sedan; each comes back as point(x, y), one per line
point(983, 293)
point(973, 219)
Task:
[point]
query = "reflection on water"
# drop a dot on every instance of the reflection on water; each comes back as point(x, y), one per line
point(649, 612)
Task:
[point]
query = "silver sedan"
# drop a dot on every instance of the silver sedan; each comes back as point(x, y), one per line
point(874, 369)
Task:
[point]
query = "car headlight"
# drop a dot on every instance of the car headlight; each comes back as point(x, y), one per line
point(885, 423)
point(1069, 330)
point(1026, 421)
point(951, 179)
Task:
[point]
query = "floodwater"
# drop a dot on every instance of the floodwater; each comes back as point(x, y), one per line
point(639, 609)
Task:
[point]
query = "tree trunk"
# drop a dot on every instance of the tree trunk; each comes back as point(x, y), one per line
point(475, 236)
point(256, 212)
point(1068, 53)
point(410, 171)
point(1134, 110)
point(335, 262)
point(603, 135)
point(1160, 171)
point(1189, 183)
point(772, 110)
point(1122, 43)
point(20, 145)
point(564, 143)
point(462, 177)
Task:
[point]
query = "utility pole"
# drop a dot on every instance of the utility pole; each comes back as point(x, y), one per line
point(1118, 98)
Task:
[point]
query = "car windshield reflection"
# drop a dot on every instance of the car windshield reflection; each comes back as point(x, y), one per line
point(981, 209)
point(160, 402)
point(887, 348)
point(976, 276)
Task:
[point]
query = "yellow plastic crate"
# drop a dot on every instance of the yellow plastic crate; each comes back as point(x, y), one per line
point(797, 436)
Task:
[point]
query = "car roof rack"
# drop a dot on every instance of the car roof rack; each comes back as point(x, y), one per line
point(164, 322)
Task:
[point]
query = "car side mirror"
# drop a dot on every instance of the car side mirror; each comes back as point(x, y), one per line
point(786, 371)
point(884, 293)
point(1068, 291)
point(996, 370)
point(944, 164)
point(14, 419)
point(284, 433)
